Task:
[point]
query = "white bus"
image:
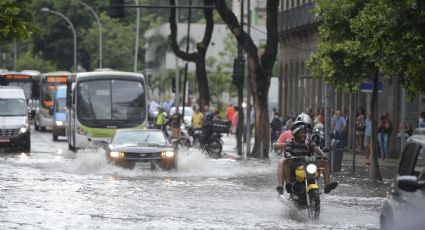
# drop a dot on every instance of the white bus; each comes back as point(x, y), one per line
point(48, 84)
point(100, 102)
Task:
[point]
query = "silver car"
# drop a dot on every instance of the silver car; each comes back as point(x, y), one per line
point(405, 206)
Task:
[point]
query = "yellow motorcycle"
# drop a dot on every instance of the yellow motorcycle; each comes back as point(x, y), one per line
point(305, 189)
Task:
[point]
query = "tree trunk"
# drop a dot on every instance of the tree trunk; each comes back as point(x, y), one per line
point(260, 68)
point(201, 76)
point(375, 172)
point(262, 128)
point(197, 57)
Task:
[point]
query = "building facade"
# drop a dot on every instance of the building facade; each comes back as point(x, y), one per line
point(298, 91)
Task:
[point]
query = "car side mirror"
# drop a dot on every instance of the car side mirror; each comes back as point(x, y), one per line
point(408, 183)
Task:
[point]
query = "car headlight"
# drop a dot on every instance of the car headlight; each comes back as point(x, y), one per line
point(167, 154)
point(23, 129)
point(311, 168)
point(59, 123)
point(115, 154)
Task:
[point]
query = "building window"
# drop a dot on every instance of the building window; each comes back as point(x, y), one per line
point(286, 4)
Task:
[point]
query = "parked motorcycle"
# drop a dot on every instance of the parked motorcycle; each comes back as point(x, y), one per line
point(305, 189)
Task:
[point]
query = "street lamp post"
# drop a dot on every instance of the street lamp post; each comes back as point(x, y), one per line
point(73, 31)
point(100, 30)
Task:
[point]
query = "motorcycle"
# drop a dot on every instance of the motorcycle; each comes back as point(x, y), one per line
point(305, 189)
point(213, 146)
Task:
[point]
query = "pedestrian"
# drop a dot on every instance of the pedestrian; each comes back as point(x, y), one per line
point(319, 119)
point(421, 123)
point(384, 132)
point(197, 118)
point(360, 127)
point(235, 124)
point(275, 128)
point(338, 125)
point(367, 135)
point(160, 119)
point(229, 112)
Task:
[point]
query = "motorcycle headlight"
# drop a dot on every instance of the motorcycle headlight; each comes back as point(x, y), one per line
point(23, 129)
point(311, 168)
point(167, 154)
point(59, 123)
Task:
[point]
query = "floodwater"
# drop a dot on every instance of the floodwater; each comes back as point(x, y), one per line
point(52, 188)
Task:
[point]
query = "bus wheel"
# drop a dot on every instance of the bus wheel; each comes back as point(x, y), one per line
point(42, 129)
point(36, 127)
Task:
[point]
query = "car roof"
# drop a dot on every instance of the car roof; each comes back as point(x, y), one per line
point(418, 137)
point(11, 92)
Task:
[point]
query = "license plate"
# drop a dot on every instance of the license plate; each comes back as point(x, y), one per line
point(4, 140)
point(145, 165)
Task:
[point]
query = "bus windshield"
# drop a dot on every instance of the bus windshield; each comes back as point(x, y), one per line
point(25, 85)
point(60, 106)
point(111, 100)
point(13, 107)
point(48, 91)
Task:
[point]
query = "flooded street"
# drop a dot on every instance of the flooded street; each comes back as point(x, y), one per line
point(53, 188)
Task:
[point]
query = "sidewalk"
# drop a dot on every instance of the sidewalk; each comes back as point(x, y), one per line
point(387, 167)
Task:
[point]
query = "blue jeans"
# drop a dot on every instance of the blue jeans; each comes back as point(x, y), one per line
point(383, 144)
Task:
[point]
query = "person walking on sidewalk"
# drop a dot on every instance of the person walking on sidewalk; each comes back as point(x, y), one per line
point(360, 129)
point(421, 123)
point(384, 132)
point(367, 135)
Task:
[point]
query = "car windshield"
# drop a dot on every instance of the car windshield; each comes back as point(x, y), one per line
point(138, 138)
point(13, 107)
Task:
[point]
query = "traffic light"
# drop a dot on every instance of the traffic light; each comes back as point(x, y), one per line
point(116, 8)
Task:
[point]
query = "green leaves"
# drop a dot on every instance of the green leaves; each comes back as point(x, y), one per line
point(358, 37)
point(15, 20)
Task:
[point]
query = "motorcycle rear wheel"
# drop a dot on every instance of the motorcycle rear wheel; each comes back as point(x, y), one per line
point(314, 209)
point(215, 149)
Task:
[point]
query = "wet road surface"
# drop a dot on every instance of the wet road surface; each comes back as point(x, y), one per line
point(52, 188)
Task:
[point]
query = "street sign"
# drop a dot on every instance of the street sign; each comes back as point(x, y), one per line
point(367, 87)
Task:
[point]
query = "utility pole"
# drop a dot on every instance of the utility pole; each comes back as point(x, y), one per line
point(189, 18)
point(177, 76)
point(136, 45)
point(329, 102)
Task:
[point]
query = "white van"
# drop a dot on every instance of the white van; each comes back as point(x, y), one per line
point(14, 125)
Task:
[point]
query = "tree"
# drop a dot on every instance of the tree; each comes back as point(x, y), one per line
point(30, 61)
point(199, 56)
point(117, 44)
point(362, 39)
point(342, 59)
point(260, 66)
point(15, 20)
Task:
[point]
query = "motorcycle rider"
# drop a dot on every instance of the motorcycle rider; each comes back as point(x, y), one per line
point(300, 145)
point(207, 129)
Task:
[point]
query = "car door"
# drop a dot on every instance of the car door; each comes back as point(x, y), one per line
point(405, 168)
point(412, 164)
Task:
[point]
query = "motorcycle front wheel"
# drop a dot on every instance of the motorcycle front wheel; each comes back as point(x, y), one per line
point(215, 149)
point(314, 209)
